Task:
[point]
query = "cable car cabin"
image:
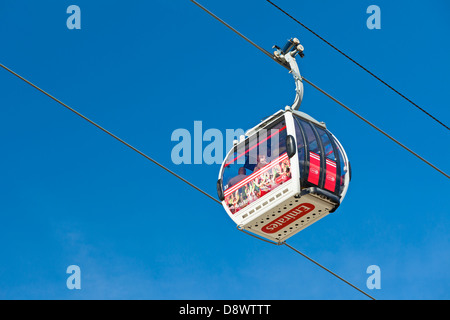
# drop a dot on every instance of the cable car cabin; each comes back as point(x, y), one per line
point(287, 173)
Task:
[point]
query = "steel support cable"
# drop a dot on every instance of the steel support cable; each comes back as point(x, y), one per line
point(310, 259)
point(239, 34)
point(144, 155)
point(361, 66)
point(109, 133)
point(322, 91)
point(326, 269)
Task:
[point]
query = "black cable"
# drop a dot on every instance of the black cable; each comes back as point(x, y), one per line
point(362, 67)
point(239, 34)
point(305, 256)
point(328, 270)
point(109, 133)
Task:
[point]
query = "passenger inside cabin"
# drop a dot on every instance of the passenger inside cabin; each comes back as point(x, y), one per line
point(241, 175)
point(261, 162)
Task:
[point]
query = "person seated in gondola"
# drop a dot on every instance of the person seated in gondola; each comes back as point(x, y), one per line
point(242, 174)
point(261, 162)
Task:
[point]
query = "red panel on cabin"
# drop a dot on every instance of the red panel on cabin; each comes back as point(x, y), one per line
point(314, 168)
point(330, 178)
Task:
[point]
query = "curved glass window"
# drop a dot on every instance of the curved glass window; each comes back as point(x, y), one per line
point(300, 149)
point(311, 171)
point(327, 145)
point(343, 168)
point(330, 165)
point(321, 161)
point(256, 166)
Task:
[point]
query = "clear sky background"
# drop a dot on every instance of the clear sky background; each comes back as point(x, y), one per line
point(71, 195)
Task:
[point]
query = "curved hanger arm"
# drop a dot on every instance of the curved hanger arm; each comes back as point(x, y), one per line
point(287, 56)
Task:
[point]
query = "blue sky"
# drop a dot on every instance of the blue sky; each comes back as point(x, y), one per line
point(71, 195)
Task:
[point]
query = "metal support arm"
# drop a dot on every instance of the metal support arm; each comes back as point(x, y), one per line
point(287, 56)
